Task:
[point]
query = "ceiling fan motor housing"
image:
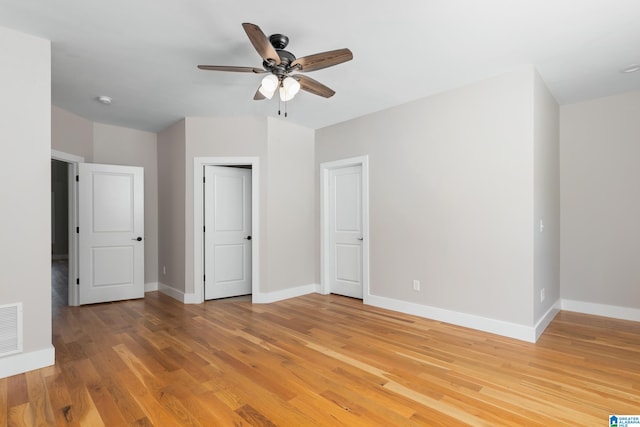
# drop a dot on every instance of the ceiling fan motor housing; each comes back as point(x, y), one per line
point(279, 42)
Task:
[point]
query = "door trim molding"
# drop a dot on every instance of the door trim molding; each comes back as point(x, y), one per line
point(325, 168)
point(72, 272)
point(198, 220)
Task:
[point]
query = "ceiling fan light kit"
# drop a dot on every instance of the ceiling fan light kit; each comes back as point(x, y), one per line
point(269, 86)
point(280, 64)
point(289, 87)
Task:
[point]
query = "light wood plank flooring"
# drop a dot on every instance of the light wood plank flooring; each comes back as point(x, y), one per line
point(318, 361)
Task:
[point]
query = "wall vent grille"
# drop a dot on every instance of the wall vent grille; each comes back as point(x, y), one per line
point(10, 329)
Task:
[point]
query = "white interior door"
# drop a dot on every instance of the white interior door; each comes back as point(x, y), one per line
point(111, 231)
point(346, 231)
point(227, 232)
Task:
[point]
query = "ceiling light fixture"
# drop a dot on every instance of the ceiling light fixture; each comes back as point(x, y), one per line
point(286, 86)
point(289, 88)
point(631, 69)
point(269, 86)
point(103, 99)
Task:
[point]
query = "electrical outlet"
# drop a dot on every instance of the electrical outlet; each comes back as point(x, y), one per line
point(542, 295)
point(416, 285)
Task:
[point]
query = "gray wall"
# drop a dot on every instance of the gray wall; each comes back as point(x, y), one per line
point(171, 206)
point(600, 172)
point(546, 199)
point(224, 137)
point(25, 191)
point(292, 249)
point(71, 134)
point(288, 245)
point(451, 180)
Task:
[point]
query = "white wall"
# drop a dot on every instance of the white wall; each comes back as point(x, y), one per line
point(546, 196)
point(451, 189)
point(25, 191)
point(600, 202)
point(129, 147)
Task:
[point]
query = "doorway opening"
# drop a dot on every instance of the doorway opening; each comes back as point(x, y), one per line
point(199, 170)
point(64, 208)
point(227, 231)
point(344, 223)
point(59, 233)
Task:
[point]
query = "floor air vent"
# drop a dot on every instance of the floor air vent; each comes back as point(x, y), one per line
point(10, 329)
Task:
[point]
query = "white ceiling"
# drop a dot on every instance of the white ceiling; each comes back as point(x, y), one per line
point(143, 53)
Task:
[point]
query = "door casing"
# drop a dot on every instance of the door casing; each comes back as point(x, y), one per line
point(325, 265)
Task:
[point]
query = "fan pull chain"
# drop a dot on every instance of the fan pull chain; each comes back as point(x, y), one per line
point(280, 107)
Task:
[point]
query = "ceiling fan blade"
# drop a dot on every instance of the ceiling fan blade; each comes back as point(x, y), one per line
point(258, 96)
point(314, 86)
point(322, 60)
point(232, 68)
point(261, 43)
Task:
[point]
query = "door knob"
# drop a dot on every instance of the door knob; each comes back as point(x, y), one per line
point(360, 238)
point(139, 239)
point(247, 238)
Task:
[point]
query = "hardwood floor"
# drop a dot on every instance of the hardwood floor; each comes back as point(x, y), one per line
point(318, 361)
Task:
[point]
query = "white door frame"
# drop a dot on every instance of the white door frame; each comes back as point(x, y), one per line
point(362, 161)
point(72, 160)
point(198, 221)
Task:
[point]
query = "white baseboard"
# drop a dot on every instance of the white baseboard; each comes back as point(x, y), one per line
point(24, 362)
point(269, 297)
point(499, 327)
point(191, 299)
point(177, 294)
point(614, 311)
point(171, 291)
point(151, 286)
point(260, 298)
point(546, 319)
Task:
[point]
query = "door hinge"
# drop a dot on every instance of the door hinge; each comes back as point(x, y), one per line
point(77, 230)
point(204, 228)
point(204, 180)
point(77, 178)
point(77, 281)
point(204, 278)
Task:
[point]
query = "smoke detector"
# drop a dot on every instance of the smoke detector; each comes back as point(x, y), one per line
point(104, 99)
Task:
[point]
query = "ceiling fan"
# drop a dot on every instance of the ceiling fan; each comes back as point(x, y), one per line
point(281, 64)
